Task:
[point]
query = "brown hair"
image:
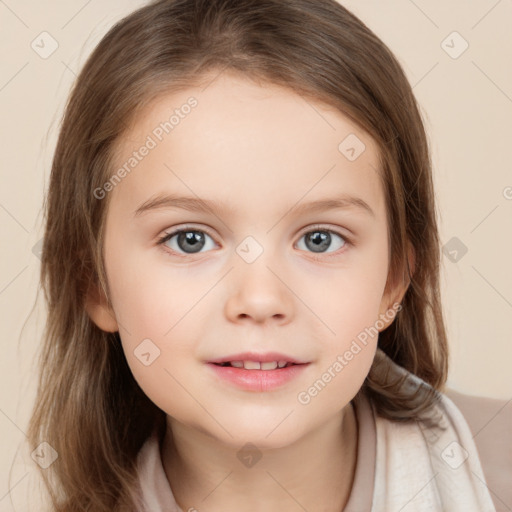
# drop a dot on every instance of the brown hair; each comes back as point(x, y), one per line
point(89, 407)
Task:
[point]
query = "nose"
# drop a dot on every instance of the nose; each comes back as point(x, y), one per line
point(259, 293)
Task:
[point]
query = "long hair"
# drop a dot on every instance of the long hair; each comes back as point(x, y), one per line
point(89, 408)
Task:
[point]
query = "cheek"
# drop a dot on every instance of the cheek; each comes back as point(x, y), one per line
point(156, 308)
point(155, 314)
point(346, 350)
point(150, 299)
point(349, 299)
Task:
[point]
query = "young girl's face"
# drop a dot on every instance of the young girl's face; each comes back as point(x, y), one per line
point(263, 271)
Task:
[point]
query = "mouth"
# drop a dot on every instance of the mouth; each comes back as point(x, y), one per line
point(257, 376)
point(256, 365)
point(258, 361)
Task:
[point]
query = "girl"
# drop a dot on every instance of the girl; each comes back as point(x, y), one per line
point(293, 357)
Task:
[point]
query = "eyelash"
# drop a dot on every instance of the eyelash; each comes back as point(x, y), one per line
point(348, 242)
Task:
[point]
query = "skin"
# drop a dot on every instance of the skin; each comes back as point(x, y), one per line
point(260, 150)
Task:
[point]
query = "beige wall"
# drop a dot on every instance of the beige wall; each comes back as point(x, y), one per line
point(467, 103)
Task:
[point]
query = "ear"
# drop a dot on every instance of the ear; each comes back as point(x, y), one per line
point(395, 292)
point(100, 313)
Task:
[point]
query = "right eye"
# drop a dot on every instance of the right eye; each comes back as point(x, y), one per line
point(185, 241)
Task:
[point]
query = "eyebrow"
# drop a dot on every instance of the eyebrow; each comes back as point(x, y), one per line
point(194, 204)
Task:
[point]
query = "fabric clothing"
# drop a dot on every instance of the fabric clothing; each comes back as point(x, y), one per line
point(490, 421)
point(424, 470)
point(400, 466)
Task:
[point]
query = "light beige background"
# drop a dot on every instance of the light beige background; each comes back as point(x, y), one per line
point(467, 105)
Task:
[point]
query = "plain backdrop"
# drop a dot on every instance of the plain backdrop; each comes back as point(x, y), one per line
point(463, 82)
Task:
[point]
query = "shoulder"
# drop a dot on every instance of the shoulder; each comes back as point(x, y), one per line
point(490, 422)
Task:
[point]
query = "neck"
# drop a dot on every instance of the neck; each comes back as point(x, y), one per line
point(314, 473)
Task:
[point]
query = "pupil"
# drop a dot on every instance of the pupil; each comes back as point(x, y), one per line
point(320, 240)
point(194, 238)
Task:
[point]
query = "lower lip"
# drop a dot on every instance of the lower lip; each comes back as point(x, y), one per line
point(258, 380)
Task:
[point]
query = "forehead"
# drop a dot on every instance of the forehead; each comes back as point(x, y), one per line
point(232, 138)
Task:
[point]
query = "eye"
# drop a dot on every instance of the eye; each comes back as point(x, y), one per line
point(187, 240)
point(319, 239)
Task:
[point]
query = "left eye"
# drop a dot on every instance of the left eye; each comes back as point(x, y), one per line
point(192, 241)
point(319, 239)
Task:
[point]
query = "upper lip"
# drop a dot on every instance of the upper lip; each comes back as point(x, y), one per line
point(262, 358)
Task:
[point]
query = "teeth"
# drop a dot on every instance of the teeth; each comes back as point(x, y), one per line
point(255, 365)
point(252, 365)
